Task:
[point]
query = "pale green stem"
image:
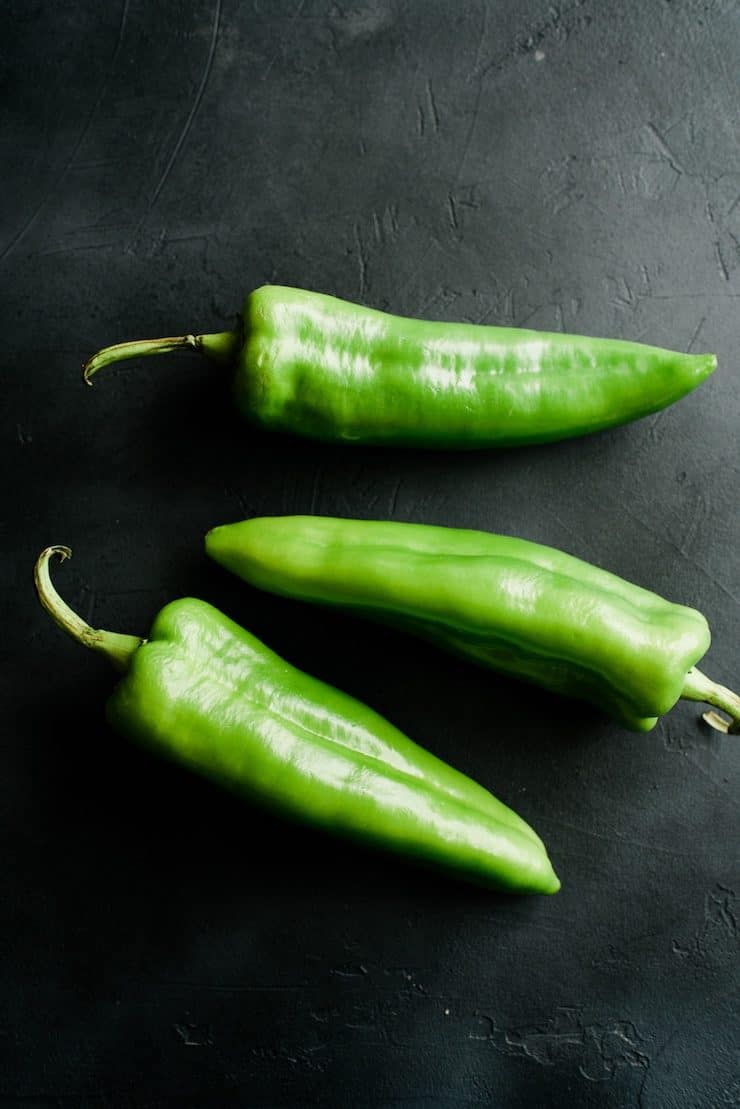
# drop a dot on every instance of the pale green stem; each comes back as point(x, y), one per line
point(222, 346)
point(698, 687)
point(118, 649)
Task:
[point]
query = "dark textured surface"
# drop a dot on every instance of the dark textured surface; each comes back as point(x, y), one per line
point(571, 166)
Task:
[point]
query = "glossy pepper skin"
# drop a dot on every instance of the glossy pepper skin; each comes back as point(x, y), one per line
point(313, 365)
point(506, 603)
point(206, 693)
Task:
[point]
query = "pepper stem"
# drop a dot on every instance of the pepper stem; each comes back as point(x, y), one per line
point(221, 346)
point(698, 687)
point(117, 648)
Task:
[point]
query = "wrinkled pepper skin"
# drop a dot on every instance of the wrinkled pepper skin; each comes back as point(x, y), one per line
point(509, 604)
point(310, 364)
point(206, 693)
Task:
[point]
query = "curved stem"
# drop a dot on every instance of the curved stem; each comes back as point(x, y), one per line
point(117, 648)
point(698, 687)
point(222, 346)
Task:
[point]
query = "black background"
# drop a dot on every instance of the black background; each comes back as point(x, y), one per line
point(569, 165)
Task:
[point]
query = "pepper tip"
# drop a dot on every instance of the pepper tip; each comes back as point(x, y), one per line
point(551, 882)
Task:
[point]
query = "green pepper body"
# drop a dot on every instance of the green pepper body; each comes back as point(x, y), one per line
point(209, 695)
point(313, 365)
point(318, 366)
point(506, 603)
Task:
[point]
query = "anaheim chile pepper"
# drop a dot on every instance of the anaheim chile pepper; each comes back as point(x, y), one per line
point(507, 603)
point(205, 693)
point(317, 366)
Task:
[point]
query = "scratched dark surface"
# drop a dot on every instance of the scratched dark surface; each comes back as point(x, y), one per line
point(570, 166)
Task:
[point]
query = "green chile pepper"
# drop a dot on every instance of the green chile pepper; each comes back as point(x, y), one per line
point(313, 365)
point(205, 693)
point(507, 603)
